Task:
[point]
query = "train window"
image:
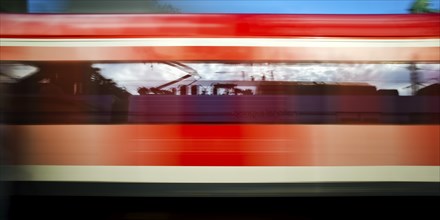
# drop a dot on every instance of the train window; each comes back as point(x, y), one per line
point(220, 92)
point(13, 72)
point(393, 78)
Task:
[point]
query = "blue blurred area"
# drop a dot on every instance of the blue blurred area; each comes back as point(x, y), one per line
point(297, 6)
point(47, 6)
point(243, 6)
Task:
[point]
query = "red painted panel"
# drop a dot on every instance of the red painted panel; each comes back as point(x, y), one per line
point(228, 145)
point(198, 25)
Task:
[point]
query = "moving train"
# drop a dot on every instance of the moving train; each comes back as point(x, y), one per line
point(70, 128)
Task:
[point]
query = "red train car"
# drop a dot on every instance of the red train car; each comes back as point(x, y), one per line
point(220, 105)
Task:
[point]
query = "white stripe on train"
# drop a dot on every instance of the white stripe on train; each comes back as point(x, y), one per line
point(222, 174)
point(242, 42)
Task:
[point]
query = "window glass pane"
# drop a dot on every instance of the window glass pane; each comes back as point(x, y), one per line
point(396, 76)
point(221, 92)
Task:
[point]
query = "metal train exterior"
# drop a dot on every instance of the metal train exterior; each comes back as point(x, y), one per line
point(290, 139)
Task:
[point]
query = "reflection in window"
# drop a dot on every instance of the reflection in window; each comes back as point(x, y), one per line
point(402, 78)
point(13, 72)
point(219, 92)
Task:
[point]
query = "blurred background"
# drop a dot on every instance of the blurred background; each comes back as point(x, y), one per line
point(222, 6)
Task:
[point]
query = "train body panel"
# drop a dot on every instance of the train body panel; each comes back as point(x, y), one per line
point(278, 133)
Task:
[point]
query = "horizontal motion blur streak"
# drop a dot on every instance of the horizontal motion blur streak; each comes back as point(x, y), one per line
point(200, 174)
